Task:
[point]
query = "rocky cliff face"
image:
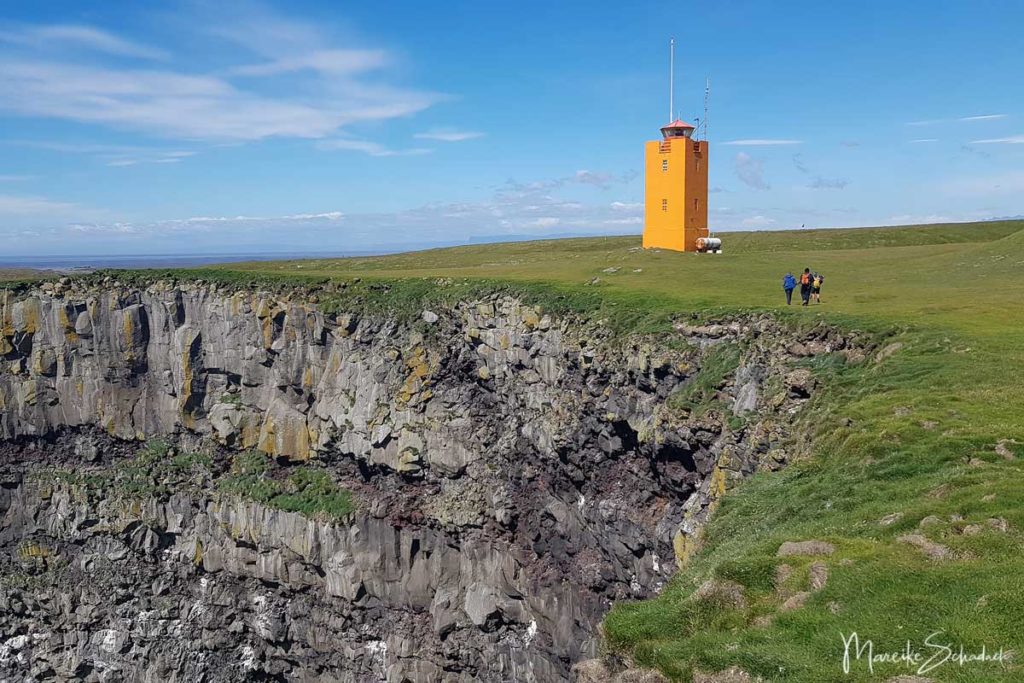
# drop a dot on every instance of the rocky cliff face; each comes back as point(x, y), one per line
point(513, 475)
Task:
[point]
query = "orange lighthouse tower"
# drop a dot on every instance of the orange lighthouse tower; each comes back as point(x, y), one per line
point(676, 188)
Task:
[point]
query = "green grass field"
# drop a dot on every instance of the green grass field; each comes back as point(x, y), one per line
point(917, 435)
point(914, 436)
point(20, 274)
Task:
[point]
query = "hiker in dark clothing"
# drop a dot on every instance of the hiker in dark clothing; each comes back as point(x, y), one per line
point(789, 284)
point(806, 284)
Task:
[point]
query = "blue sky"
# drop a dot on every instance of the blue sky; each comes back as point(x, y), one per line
point(238, 126)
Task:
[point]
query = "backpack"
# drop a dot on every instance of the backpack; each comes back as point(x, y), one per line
point(805, 279)
point(817, 281)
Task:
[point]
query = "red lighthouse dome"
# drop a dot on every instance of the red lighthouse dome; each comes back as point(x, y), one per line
point(677, 129)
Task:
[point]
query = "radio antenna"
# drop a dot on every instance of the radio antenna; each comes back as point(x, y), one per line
point(707, 96)
point(671, 76)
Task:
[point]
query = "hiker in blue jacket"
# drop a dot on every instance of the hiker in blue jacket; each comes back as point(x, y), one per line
point(789, 284)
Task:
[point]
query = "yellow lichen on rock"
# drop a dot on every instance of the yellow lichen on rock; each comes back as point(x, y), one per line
point(263, 309)
point(295, 440)
point(719, 483)
point(30, 550)
point(420, 368)
point(268, 436)
point(284, 434)
point(6, 319)
point(128, 328)
point(267, 332)
point(25, 316)
point(531, 318)
point(250, 431)
point(684, 547)
point(29, 393)
point(67, 324)
point(186, 387)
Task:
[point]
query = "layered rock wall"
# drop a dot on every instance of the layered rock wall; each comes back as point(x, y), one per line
point(514, 474)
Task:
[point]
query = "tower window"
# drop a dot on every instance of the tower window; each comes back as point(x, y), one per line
point(696, 204)
point(664, 164)
point(664, 205)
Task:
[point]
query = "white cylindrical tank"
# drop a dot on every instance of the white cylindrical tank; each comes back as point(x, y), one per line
point(709, 244)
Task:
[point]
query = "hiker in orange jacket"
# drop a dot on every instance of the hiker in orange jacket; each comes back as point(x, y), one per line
point(806, 283)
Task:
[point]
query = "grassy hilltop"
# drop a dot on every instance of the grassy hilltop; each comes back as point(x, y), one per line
point(934, 432)
point(886, 274)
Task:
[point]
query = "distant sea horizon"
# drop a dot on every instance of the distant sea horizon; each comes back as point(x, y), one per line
point(87, 262)
point(80, 262)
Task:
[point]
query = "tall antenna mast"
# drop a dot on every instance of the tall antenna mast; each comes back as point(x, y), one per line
point(707, 96)
point(671, 77)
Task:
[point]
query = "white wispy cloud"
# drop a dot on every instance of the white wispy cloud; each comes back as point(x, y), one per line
point(332, 61)
point(338, 87)
point(919, 219)
point(1011, 140)
point(183, 106)
point(15, 178)
point(600, 179)
point(962, 119)
point(750, 171)
point(15, 205)
point(597, 179)
point(818, 182)
point(208, 224)
point(514, 210)
point(155, 158)
point(21, 212)
point(111, 155)
point(374, 149)
point(85, 37)
point(762, 142)
point(823, 183)
point(448, 135)
point(75, 148)
point(923, 140)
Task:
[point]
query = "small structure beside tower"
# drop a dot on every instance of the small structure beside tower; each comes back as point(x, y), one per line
point(676, 188)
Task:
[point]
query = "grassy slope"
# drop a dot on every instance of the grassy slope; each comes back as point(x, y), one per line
point(20, 274)
point(890, 437)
